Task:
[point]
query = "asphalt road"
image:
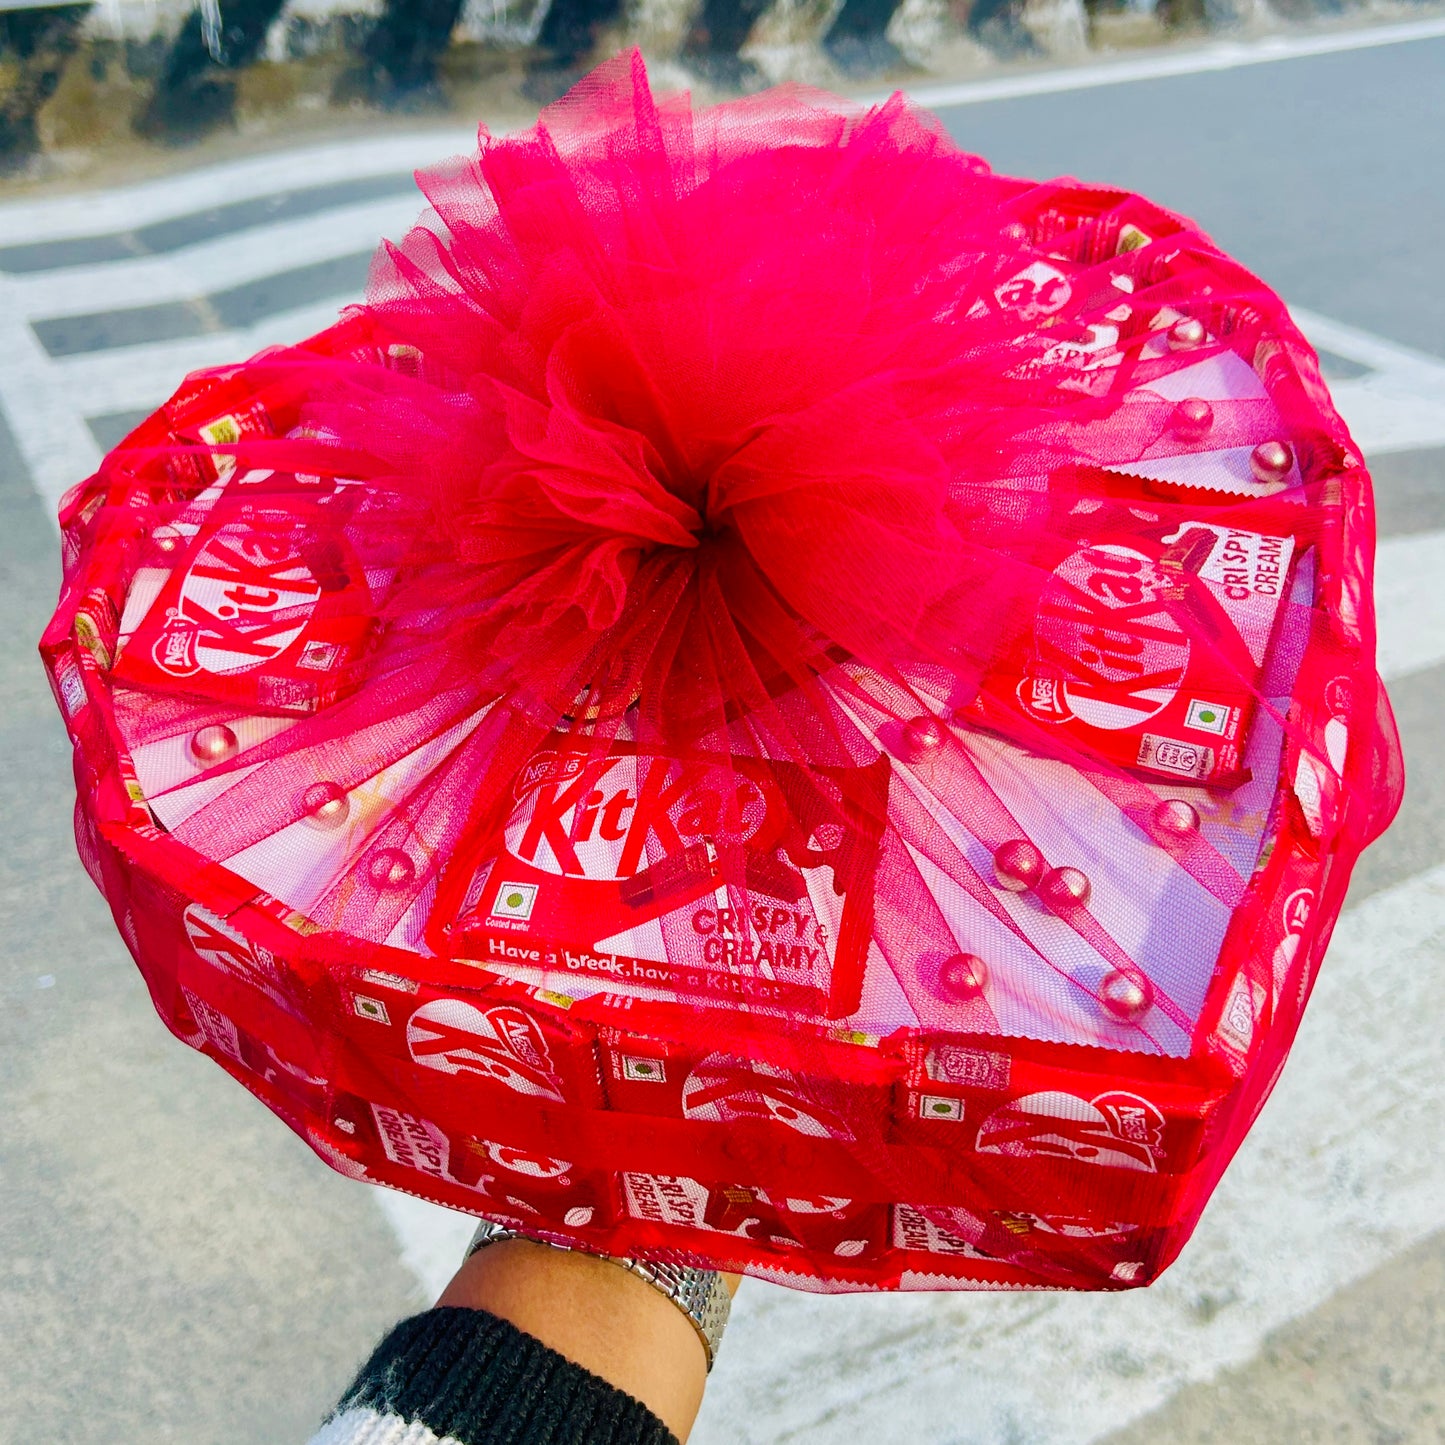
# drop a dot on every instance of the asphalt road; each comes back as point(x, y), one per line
point(174, 1266)
point(1326, 176)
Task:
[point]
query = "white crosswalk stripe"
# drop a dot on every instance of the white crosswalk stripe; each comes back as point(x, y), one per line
point(1353, 1127)
point(42, 413)
point(212, 265)
point(1399, 403)
point(138, 378)
point(1410, 604)
point(127, 208)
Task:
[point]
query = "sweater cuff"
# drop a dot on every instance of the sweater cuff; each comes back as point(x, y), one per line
point(466, 1376)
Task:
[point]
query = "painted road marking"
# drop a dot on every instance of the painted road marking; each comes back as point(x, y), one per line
point(1344, 1170)
point(1410, 602)
point(43, 413)
point(129, 208)
point(1221, 55)
point(139, 378)
point(163, 238)
point(1399, 404)
point(46, 400)
point(213, 264)
point(231, 309)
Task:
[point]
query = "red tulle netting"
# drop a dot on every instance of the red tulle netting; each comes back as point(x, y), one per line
point(773, 696)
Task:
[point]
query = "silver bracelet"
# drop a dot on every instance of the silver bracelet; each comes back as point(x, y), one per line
point(699, 1293)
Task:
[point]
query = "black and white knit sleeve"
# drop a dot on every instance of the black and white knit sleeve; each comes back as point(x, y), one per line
point(465, 1377)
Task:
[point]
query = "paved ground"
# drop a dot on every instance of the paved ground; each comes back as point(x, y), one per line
point(173, 1266)
point(1366, 1367)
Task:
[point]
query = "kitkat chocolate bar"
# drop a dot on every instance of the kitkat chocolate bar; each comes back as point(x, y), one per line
point(525, 1188)
point(840, 1227)
point(608, 871)
point(253, 614)
point(1147, 643)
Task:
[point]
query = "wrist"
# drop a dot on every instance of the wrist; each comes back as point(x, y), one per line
point(704, 1296)
point(596, 1314)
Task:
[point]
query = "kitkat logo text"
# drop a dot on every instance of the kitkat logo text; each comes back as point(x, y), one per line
point(1108, 649)
point(609, 818)
point(244, 600)
point(502, 1043)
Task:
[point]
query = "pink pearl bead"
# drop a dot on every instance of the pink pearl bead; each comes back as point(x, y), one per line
point(213, 744)
point(1192, 418)
point(1174, 818)
point(963, 976)
point(922, 736)
point(1064, 889)
point(326, 805)
point(1186, 335)
point(390, 868)
point(1270, 462)
point(1018, 865)
point(1126, 996)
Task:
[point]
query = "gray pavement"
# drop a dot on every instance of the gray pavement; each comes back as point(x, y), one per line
point(1366, 1369)
point(175, 1266)
point(1325, 175)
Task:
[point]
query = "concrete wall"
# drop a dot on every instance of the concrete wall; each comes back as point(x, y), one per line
point(77, 80)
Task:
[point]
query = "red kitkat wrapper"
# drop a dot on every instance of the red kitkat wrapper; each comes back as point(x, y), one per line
point(609, 868)
point(772, 697)
point(783, 1229)
point(254, 614)
point(523, 1189)
point(1147, 642)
